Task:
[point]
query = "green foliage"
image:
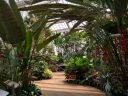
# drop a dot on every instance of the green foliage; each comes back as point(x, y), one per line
point(116, 85)
point(11, 24)
point(38, 69)
point(54, 58)
point(79, 61)
point(47, 74)
point(28, 44)
point(4, 75)
point(41, 71)
point(82, 64)
point(20, 41)
point(95, 13)
point(111, 27)
point(16, 11)
point(79, 66)
point(45, 42)
point(59, 41)
point(92, 12)
point(31, 90)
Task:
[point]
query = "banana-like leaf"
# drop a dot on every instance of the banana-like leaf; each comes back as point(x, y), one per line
point(46, 42)
point(75, 26)
point(10, 30)
point(40, 22)
point(35, 26)
point(38, 32)
point(38, 26)
point(19, 18)
point(28, 44)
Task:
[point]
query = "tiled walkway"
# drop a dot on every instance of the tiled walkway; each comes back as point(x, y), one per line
point(57, 87)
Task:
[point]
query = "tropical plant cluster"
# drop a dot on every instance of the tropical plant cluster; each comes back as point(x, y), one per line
point(106, 24)
point(94, 50)
point(19, 44)
point(41, 70)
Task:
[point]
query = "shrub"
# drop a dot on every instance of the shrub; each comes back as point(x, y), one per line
point(47, 74)
point(30, 90)
point(79, 65)
point(41, 70)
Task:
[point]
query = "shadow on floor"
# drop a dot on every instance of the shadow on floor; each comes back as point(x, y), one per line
point(57, 87)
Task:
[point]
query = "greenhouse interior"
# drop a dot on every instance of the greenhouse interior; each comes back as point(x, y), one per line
point(63, 48)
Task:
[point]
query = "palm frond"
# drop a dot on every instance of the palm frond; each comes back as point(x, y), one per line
point(46, 6)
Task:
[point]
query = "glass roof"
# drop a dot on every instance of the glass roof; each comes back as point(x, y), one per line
point(59, 27)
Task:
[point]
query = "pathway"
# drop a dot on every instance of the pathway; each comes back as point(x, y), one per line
point(57, 87)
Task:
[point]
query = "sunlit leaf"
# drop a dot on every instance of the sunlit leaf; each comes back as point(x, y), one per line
point(45, 42)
